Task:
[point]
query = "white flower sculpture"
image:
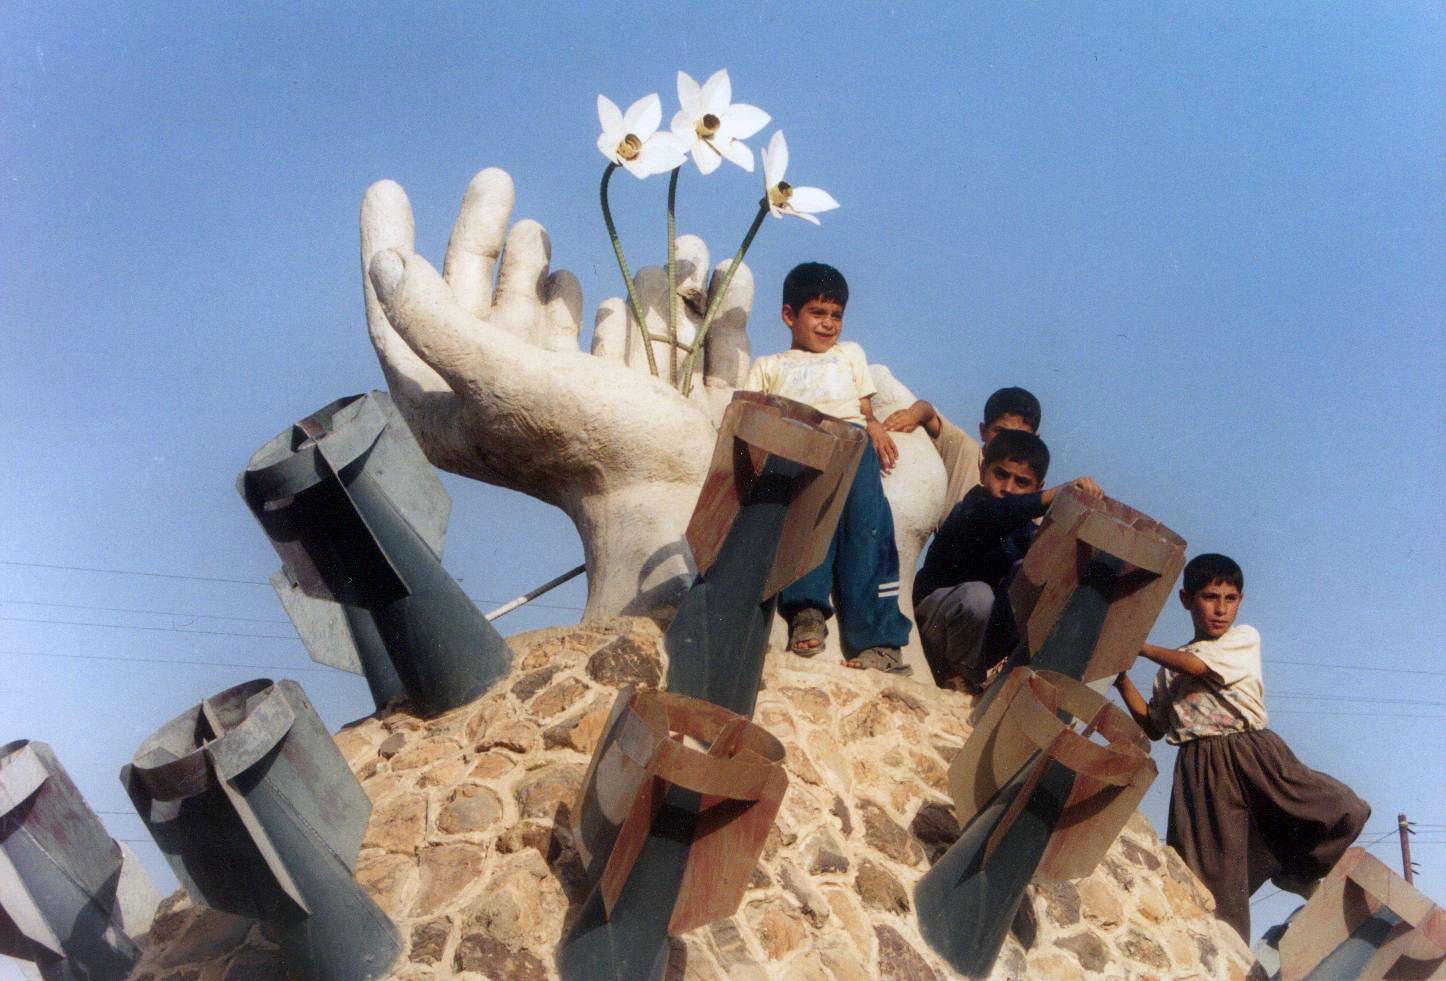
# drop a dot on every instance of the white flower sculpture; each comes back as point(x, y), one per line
point(632, 139)
point(711, 125)
point(711, 128)
point(784, 198)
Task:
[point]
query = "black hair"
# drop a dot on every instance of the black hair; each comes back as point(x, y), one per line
point(811, 281)
point(1207, 567)
point(1018, 446)
point(1013, 401)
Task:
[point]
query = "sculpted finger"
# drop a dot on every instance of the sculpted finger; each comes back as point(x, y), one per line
point(419, 304)
point(610, 329)
point(692, 285)
point(386, 224)
point(477, 239)
point(561, 319)
point(518, 302)
point(725, 349)
point(651, 286)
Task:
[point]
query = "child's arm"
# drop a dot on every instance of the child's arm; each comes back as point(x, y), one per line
point(921, 413)
point(883, 442)
point(1085, 484)
point(1137, 705)
point(1182, 661)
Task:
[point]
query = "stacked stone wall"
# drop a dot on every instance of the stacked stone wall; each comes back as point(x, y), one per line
point(469, 848)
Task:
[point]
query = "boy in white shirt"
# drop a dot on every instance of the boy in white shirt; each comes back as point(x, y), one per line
point(1243, 809)
point(862, 567)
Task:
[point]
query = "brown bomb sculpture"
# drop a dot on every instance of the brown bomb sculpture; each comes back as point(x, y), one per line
point(1364, 921)
point(1097, 544)
point(641, 754)
point(1040, 797)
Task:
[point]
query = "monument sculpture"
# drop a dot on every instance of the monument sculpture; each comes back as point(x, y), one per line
point(494, 386)
point(1040, 799)
point(258, 814)
point(764, 518)
point(672, 834)
point(1037, 796)
point(73, 900)
point(1366, 922)
point(358, 517)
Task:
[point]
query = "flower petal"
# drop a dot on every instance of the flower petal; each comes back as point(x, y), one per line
point(688, 93)
point(607, 145)
point(643, 116)
point(741, 121)
point(661, 153)
point(738, 152)
point(800, 214)
point(706, 157)
point(775, 159)
point(717, 92)
point(812, 199)
point(610, 117)
point(683, 127)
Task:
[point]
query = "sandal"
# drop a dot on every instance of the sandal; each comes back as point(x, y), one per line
point(807, 631)
point(885, 659)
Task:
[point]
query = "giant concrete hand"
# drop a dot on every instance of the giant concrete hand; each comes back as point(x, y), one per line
point(493, 384)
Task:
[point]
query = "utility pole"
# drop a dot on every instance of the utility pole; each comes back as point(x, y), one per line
point(1405, 846)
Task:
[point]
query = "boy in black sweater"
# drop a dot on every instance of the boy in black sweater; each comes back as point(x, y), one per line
point(960, 601)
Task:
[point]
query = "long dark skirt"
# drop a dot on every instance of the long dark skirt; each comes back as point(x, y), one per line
point(1244, 809)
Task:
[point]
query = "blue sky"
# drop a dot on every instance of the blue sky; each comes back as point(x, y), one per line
point(1208, 236)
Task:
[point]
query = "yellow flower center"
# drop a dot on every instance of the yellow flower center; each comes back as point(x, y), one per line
point(630, 147)
point(708, 126)
point(779, 194)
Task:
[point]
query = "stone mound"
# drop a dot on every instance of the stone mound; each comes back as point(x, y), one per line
point(469, 848)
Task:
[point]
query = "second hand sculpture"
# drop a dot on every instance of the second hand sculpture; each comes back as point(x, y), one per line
point(764, 518)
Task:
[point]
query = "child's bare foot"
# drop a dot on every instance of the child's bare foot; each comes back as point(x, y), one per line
point(806, 632)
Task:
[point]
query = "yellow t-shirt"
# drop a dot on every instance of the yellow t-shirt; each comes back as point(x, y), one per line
point(832, 382)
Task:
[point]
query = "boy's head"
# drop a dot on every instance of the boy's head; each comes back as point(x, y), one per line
point(1014, 462)
point(814, 297)
point(1009, 408)
point(1213, 588)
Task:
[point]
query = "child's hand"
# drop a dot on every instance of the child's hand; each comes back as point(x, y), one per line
point(1087, 486)
point(910, 419)
point(883, 445)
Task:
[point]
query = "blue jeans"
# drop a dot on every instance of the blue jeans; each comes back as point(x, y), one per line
point(861, 569)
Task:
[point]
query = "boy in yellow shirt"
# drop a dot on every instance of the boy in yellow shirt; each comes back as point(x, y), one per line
point(862, 567)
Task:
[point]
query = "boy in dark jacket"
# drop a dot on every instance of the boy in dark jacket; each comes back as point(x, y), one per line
point(960, 601)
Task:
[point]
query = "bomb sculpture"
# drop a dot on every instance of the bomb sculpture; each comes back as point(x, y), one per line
point(358, 517)
point(72, 899)
point(780, 473)
point(664, 836)
point(1040, 798)
point(1364, 921)
point(670, 834)
point(258, 814)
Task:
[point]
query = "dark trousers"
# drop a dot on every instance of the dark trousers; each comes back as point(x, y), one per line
point(1243, 809)
point(861, 569)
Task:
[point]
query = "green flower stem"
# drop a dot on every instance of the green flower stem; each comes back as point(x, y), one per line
point(623, 266)
point(673, 277)
point(717, 301)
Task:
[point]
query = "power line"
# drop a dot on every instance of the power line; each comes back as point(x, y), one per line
point(242, 582)
point(1353, 667)
point(134, 572)
point(158, 613)
point(162, 660)
point(1352, 698)
point(134, 626)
